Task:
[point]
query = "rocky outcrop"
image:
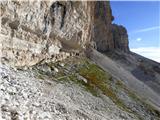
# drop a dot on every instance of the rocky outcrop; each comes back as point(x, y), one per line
point(120, 37)
point(101, 19)
point(106, 35)
point(35, 31)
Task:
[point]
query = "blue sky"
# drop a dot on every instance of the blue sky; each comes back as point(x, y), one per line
point(142, 21)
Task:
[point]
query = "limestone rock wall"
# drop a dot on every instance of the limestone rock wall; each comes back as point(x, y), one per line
point(32, 31)
point(120, 37)
point(35, 31)
point(101, 25)
point(106, 35)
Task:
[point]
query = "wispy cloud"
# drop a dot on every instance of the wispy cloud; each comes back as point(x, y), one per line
point(146, 29)
point(149, 52)
point(138, 39)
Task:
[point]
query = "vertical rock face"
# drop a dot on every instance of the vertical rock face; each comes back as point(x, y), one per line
point(101, 25)
point(105, 34)
point(120, 37)
point(32, 31)
point(69, 21)
point(25, 28)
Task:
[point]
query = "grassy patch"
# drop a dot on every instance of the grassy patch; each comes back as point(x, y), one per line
point(99, 79)
point(39, 76)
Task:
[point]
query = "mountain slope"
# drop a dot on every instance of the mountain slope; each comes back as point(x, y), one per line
point(46, 74)
point(145, 70)
point(129, 79)
point(72, 89)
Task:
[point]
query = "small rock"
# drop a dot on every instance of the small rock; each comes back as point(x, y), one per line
point(14, 115)
point(61, 64)
point(4, 75)
point(56, 69)
point(36, 104)
point(44, 68)
point(45, 116)
point(81, 78)
point(2, 88)
point(11, 90)
point(61, 108)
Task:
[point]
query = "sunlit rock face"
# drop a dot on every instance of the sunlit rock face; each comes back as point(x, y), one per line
point(35, 31)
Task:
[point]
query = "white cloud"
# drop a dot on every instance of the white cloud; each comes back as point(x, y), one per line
point(138, 39)
point(146, 29)
point(149, 52)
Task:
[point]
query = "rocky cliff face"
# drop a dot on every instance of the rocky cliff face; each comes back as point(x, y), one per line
point(101, 26)
point(33, 31)
point(120, 37)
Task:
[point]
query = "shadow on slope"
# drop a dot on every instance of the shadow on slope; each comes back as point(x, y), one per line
point(145, 70)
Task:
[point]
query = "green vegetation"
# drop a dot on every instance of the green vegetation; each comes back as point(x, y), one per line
point(97, 81)
point(100, 80)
